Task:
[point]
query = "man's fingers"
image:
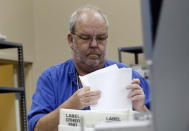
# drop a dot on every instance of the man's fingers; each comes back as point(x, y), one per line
point(93, 102)
point(88, 93)
point(91, 97)
point(136, 98)
point(95, 97)
point(135, 93)
point(89, 103)
point(84, 91)
point(95, 93)
point(135, 81)
point(84, 97)
point(133, 87)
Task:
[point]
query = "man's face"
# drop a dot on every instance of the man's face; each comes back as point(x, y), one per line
point(90, 40)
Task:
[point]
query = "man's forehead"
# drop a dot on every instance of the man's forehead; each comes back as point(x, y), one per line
point(90, 14)
point(91, 28)
point(91, 21)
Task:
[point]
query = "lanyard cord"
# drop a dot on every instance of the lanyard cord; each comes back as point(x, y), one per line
point(77, 78)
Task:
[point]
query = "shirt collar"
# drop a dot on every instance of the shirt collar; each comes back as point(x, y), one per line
point(73, 73)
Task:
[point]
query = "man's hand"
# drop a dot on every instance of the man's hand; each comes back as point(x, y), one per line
point(83, 98)
point(137, 96)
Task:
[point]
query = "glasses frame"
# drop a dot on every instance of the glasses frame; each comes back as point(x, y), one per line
point(88, 38)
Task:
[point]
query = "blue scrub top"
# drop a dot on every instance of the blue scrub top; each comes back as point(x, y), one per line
point(57, 83)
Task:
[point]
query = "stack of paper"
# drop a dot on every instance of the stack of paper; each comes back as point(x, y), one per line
point(71, 119)
point(73, 128)
point(112, 83)
point(113, 106)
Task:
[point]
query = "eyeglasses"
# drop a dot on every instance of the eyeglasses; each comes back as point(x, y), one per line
point(100, 39)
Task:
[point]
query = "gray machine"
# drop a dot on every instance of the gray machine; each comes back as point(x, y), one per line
point(166, 47)
point(170, 68)
point(170, 74)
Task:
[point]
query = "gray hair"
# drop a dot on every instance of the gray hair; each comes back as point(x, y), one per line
point(75, 16)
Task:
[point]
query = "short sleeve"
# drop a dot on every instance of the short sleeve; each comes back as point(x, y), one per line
point(42, 101)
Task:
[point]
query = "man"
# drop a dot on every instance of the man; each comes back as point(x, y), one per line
point(60, 87)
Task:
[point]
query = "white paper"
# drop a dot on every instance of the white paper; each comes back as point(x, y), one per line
point(85, 79)
point(112, 83)
point(72, 128)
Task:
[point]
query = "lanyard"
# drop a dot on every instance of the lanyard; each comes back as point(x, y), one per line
point(77, 78)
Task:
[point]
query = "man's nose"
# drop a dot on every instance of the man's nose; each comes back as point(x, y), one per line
point(94, 42)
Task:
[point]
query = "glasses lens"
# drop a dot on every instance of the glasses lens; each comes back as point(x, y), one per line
point(88, 38)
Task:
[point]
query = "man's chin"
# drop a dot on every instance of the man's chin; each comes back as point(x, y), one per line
point(93, 62)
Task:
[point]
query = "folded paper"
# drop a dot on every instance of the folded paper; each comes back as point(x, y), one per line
point(112, 83)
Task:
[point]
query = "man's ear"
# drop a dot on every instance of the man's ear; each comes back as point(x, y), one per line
point(70, 40)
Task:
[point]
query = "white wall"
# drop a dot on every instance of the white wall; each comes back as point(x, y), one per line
point(17, 23)
point(52, 26)
point(42, 27)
